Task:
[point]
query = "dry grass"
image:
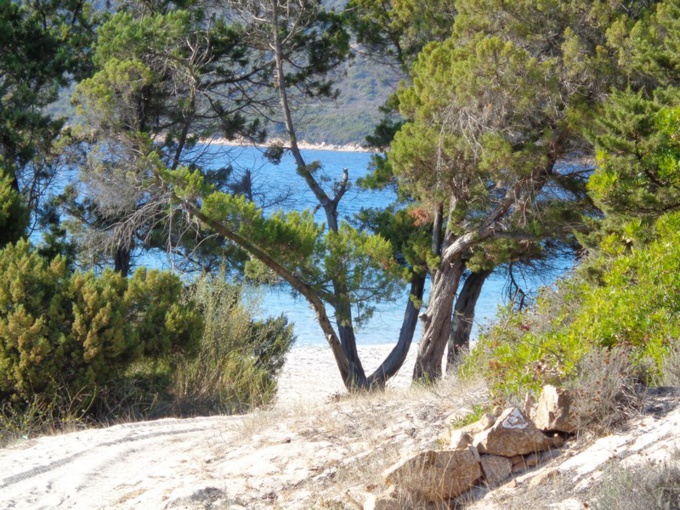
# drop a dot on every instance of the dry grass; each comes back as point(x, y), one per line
point(648, 487)
point(671, 367)
point(41, 418)
point(395, 423)
point(605, 391)
point(372, 431)
point(546, 495)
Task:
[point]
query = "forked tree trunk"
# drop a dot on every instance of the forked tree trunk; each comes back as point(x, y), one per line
point(342, 343)
point(464, 316)
point(357, 376)
point(437, 318)
point(348, 357)
point(397, 356)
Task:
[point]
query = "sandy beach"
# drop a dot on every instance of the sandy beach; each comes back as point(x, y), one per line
point(302, 145)
point(310, 374)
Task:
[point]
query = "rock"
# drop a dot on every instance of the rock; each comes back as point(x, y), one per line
point(485, 422)
point(532, 460)
point(553, 411)
point(517, 459)
point(436, 475)
point(523, 462)
point(518, 464)
point(529, 404)
point(495, 469)
point(457, 439)
point(556, 441)
point(512, 434)
point(386, 500)
point(549, 455)
point(460, 440)
point(544, 477)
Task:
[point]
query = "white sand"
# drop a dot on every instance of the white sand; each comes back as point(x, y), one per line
point(302, 145)
point(274, 459)
point(311, 375)
point(177, 463)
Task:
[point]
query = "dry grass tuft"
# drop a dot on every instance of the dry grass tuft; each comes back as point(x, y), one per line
point(671, 367)
point(605, 390)
point(40, 417)
point(649, 487)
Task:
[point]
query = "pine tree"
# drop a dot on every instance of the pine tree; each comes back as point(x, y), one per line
point(494, 111)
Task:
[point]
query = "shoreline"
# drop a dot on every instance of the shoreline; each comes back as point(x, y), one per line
point(308, 146)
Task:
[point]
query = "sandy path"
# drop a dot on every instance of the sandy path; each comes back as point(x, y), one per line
point(282, 458)
point(124, 466)
point(171, 463)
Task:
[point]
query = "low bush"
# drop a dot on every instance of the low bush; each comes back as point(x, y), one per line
point(238, 357)
point(67, 340)
point(80, 348)
point(632, 303)
point(65, 333)
point(524, 350)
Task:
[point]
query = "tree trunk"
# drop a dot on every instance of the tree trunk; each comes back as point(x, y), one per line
point(437, 229)
point(464, 315)
point(437, 320)
point(122, 260)
point(357, 376)
point(348, 356)
point(396, 358)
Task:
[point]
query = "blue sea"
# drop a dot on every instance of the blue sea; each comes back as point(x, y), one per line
point(385, 324)
point(279, 187)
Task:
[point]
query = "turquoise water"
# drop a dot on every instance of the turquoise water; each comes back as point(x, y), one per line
point(385, 324)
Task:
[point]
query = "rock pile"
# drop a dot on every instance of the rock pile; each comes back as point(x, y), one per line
point(486, 452)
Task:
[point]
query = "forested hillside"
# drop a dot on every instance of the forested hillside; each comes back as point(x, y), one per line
point(364, 84)
point(363, 87)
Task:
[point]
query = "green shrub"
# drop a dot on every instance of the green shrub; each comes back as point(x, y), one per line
point(72, 334)
point(238, 357)
point(635, 304)
point(522, 351)
point(77, 348)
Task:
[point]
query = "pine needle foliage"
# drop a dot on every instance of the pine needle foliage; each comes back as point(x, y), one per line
point(64, 333)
